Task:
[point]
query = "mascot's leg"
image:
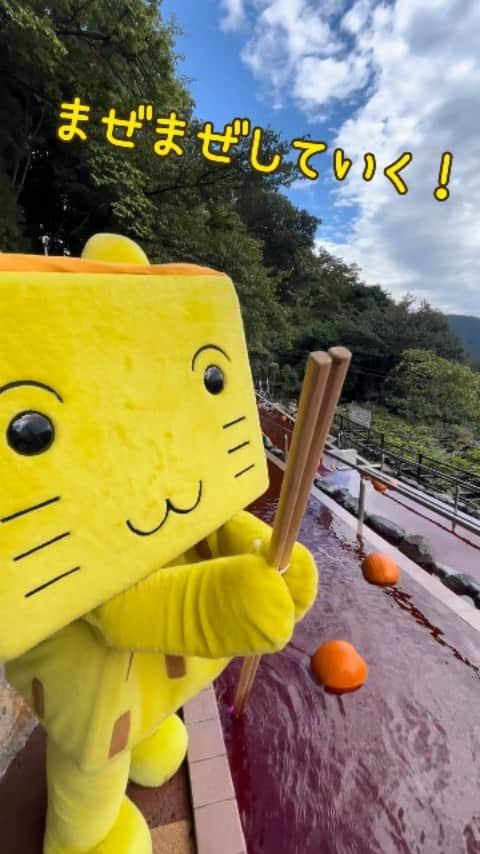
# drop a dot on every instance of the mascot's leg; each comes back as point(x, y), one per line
point(158, 757)
point(89, 813)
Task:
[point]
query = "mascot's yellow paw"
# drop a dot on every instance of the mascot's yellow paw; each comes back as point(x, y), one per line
point(129, 835)
point(302, 580)
point(246, 534)
point(158, 757)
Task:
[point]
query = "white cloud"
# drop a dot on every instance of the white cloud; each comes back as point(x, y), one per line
point(357, 16)
point(234, 13)
point(283, 39)
point(298, 43)
point(302, 184)
point(316, 79)
point(414, 71)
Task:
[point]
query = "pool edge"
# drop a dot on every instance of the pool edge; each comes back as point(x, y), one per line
point(217, 823)
point(218, 827)
point(433, 585)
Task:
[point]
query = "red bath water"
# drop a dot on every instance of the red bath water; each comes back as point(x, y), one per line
point(394, 767)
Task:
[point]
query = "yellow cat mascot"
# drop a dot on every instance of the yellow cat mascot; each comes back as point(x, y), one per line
point(130, 446)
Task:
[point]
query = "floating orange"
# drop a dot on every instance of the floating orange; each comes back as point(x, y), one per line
point(379, 486)
point(380, 569)
point(339, 667)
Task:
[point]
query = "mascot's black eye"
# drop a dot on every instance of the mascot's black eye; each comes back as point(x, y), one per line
point(30, 433)
point(214, 379)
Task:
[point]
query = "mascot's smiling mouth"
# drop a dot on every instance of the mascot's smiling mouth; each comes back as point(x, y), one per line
point(170, 507)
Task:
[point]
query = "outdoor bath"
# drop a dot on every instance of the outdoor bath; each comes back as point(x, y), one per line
point(391, 767)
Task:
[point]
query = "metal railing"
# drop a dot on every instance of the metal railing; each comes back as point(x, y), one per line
point(462, 484)
point(368, 471)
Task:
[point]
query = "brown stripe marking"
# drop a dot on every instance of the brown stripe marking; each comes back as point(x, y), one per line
point(176, 667)
point(120, 734)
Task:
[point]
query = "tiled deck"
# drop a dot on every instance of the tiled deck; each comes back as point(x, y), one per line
point(217, 820)
point(168, 810)
point(23, 790)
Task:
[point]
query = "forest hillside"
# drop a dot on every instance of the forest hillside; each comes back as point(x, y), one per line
point(295, 297)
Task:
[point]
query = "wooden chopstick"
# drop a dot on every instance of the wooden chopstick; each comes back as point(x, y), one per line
point(324, 378)
point(309, 408)
point(340, 358)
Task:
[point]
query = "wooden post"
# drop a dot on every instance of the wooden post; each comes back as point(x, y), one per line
point(419, 467)
point(321, 390)
point(382, 451)
point(455, 508)
point(361, 507)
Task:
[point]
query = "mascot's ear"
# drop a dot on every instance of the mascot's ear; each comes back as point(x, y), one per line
point(113, 248)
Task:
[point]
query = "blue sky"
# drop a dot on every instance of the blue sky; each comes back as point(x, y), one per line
point(223, 87)
point(385, 76)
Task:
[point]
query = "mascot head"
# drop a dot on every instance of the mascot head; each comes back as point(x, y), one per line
point(128, 427)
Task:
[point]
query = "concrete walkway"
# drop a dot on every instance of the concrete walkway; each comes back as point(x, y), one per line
point(460, 550)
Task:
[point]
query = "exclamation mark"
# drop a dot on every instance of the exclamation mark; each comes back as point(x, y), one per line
point(442, 192)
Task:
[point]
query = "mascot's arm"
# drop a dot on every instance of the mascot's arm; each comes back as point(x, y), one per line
point(239, 535)
point(217, 608)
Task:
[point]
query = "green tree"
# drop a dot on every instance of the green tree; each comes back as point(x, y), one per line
point(179, 208)
point(426, 387)
point(295, 296)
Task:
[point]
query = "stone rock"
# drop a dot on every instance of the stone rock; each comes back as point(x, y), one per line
point(349, 503)
point(267, 443)
point(331, 489)
point(469, 600)
point(277, 452)
point(471, 585)
point(456, 582)
point(387, 529)
point(441, 570)
point(16, 723)
point(418, 549)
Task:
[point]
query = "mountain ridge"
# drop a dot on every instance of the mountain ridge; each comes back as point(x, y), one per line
point(467, 328)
